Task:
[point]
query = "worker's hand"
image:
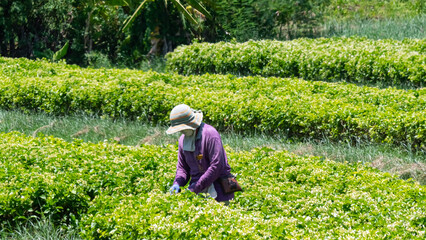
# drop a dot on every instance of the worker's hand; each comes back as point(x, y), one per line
point(174, 189)
point(191, 187)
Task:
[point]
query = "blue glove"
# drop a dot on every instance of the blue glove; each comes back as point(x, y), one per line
point(174, 189)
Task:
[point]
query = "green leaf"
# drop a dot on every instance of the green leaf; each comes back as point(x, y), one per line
point(132, 18)
point(199, 6)
point(61, 52)
point(185, 12)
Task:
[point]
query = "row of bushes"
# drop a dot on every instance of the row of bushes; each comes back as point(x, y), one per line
point(293, 107)
point(384, 62)
point(51, 177)
point(118, 192)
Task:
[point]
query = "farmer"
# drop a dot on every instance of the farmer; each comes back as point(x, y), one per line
point(201, 157)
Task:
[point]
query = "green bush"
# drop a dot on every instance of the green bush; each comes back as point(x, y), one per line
point(294, 107)
point(119, 192)
point(51, 177)
point(386, 62)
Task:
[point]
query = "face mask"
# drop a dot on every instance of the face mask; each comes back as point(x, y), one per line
point(189, 140)
point(188, 132)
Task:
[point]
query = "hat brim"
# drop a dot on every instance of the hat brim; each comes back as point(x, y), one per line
point(192, 125)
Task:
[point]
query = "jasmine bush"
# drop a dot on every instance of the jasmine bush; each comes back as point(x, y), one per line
point(292, 107)
point(119, 192)
point(360, 60)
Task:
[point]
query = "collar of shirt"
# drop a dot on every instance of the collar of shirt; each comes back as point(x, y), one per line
point(200, 131)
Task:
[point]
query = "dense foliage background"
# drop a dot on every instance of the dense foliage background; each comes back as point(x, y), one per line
point(37, 29)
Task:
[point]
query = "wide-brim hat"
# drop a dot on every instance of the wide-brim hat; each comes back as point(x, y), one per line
point(183, 117)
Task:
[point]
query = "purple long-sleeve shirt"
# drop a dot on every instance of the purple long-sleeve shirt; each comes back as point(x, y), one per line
point(206, 164)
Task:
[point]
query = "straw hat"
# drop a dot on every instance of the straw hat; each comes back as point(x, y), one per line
point(183, 117)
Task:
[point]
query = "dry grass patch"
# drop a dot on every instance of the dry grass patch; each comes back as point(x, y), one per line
point(85, 130)
point(306, 149)
point(43, 127)
point(149, 139)
point(416, 171)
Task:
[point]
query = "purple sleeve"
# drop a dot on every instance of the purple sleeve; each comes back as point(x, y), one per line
point(182, 170)
point(217, 164)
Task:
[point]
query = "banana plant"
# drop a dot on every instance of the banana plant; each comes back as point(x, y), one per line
point(197, 5)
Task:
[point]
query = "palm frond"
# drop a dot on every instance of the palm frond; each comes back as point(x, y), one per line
point(133, 17)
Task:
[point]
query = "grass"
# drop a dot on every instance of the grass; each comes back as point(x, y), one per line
point(398, 160)
point(398, 28)
point(39, 229)
point(390, 28)
point(352, 9)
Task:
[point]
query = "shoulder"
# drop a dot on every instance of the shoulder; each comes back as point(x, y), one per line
point(180, 141)
point(210, 131)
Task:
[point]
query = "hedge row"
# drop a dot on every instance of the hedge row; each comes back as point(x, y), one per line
point(293, 107)
point(118, 192)
point(387, 62)
point(48, 176)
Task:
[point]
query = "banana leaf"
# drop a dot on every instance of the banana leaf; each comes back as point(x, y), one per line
point(61, 52)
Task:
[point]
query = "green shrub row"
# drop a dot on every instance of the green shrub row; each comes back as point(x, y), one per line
point(51, 177)
point(48, 176)
point(119, 192)
point(293, 107)
point(386, 62)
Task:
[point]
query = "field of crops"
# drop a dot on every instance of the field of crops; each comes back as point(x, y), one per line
point(111, 191)
point(290, 106)
point(119, 192)
point(384, 62)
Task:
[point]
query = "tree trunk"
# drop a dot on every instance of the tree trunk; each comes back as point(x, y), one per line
point(87, 40)
point(12, 47)
point(24, 44)
point(156, 43)
point(3, 49)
